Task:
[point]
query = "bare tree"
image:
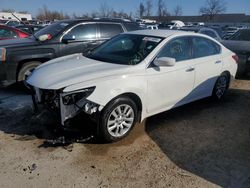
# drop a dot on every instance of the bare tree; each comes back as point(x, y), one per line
point(213, 7)
point(46, 14)
point(161, 5)
point(105, 10)
point(162, 8)
point(141, 10)
point(149, 6)
point(178, 10)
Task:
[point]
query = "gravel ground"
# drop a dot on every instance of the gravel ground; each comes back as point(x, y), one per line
point(203, 144)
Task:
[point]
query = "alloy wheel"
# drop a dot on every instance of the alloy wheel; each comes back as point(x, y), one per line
point(120, 120)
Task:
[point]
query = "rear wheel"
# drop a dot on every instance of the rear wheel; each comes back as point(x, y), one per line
point(220, 87)
point(118, 119)
point(26, 70)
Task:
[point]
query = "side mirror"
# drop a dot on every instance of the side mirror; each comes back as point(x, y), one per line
point(44, 37)
point(67, 38)
point(164, 62)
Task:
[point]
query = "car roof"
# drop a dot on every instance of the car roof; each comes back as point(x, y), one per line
point(97, 20)
point(163, 33)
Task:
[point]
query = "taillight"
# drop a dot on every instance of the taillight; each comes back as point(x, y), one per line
point(236, 58)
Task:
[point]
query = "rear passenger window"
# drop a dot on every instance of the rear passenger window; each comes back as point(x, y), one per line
point(203, 47)
point(110, 30)
point(178, 48)
point(84, 31)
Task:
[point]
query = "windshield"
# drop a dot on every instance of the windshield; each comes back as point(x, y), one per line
point(241, 35)
point(126, 49)
point(53, 29)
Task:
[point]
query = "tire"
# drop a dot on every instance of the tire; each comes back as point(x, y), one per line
point(220, 87)
point(117, 119)
point(25, 71)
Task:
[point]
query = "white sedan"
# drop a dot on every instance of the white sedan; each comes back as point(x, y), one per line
point(134, 76)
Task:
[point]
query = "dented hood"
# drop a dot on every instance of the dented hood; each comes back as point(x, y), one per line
point(72, 69)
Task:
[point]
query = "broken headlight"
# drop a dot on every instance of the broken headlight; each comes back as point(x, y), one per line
point(74, 97)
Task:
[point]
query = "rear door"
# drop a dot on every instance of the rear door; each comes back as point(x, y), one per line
point(208, 65)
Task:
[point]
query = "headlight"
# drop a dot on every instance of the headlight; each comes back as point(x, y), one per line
point(2, 54)
point(75, 96)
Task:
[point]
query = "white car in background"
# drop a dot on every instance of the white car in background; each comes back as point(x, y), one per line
point(134, 76)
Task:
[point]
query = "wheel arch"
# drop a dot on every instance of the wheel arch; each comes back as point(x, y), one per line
point(22, 62)
point(133, 97)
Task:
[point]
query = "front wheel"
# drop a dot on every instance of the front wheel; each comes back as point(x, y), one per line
point(118, 119)
point(220, 87)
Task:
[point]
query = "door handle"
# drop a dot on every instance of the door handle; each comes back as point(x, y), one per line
point(190, 69)
point(217, 62)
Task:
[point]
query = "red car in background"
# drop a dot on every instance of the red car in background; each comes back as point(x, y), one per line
point(7, 32)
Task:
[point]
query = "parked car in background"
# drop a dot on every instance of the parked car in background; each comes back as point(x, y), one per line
point(133, 76)
point(176, 24)
point(20, 57)
point(29, 28)
point(229, 31)
point(152, 27)
point(240, 44)
point(10, 23)
point(35, 22)
point(203, 30)
point(11, 33)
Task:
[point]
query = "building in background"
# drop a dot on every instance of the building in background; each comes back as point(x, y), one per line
point(9, 16)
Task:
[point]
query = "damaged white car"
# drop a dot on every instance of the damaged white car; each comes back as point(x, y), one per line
point(133, 76)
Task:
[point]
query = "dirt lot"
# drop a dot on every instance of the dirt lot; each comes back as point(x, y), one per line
point(203, 144)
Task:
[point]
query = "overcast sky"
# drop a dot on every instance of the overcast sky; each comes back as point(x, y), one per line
point(79, 7)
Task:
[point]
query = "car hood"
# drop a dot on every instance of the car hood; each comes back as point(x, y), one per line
point(69, 70)
point(17, 42)
point(240, 47)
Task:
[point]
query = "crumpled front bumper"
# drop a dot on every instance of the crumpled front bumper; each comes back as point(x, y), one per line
point(65, 112)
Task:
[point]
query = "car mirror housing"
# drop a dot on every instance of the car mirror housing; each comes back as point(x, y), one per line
point(67, 38)
point(165, 61)
point(45, 37)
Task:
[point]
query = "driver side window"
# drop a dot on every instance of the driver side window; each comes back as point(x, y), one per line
point(178, 48)
point(84, 31)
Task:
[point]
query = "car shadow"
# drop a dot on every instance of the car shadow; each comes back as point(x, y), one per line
point(207, 138)
point(244, 77)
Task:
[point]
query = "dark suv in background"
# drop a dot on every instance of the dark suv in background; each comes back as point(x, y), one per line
point(19, 57)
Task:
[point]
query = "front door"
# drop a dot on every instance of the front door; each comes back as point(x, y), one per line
point(171, 86)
